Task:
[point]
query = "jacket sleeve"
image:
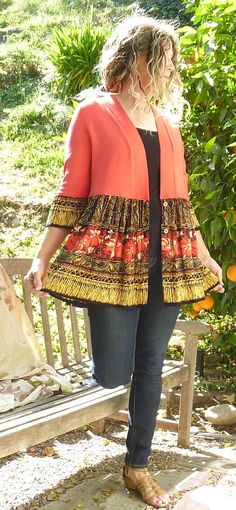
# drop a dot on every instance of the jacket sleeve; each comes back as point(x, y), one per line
point(71, 198)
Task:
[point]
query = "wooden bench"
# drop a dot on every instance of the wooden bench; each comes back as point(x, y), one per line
point(90, 404)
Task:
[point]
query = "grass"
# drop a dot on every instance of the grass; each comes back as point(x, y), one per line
point(34, 118)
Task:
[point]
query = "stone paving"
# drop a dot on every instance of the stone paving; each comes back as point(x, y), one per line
point(188, 481)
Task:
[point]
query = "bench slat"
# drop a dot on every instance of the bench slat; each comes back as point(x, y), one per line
point(87, 395)
point(75, 333)
point(175, 377)
point(64, 418)
point(27, 301)
point(61, 332)
point(87, 332)
point(46, 331)
point(192, 327)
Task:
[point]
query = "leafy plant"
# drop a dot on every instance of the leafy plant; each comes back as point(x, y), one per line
point(163, 10)
point(209, 77)
point(75, 52)
point(18, 62)
point(43, 116)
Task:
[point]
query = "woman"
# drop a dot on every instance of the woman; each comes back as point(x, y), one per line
point(134, 252)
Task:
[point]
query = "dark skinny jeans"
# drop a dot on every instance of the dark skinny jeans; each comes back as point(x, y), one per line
point(131, 342)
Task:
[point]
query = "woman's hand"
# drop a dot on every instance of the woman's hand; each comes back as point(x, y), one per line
point(212, 265)
point(34, 277)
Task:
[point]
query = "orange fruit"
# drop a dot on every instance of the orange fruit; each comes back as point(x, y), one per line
point(207, 303)
point(231, 273)
point(197, 307)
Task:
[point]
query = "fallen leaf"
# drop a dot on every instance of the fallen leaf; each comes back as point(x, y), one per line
point(106, 441)
point(51, 451)
point(97, 500)
point(51, 496)
point(107, 492)
point(60, 490)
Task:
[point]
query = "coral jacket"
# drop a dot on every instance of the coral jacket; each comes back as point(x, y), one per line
point(105, 156)
point(104, 199)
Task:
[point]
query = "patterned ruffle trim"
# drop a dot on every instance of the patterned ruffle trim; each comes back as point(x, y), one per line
point(131, 291)
point(188, 287)
point(65, 212)
point(89, 285)
point(178, 213)
point(117, 213)
point(124, 214)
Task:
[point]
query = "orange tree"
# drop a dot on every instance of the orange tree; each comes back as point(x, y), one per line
point(207, 47)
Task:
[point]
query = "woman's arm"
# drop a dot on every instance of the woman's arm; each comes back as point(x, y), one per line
point(50, 242)
point(70, 201)
point(209, 262)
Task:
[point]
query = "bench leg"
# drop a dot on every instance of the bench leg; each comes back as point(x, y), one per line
point(98, 426)
point(186, 399)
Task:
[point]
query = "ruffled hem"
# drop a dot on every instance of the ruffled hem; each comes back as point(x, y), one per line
point(84, 287)
point(191, 291)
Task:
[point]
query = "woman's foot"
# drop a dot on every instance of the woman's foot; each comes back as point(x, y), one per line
point(141, 481)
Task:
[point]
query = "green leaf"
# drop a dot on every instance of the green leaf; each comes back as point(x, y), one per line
point(187, 40)
point(222, 115)
point(211, 195)
point(208, 78)
point(232, 234)
point(208, 146)
point(216, 224)
point(231, 8)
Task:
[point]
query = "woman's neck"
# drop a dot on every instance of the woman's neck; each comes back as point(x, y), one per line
point(141, 105)
point(139, 110)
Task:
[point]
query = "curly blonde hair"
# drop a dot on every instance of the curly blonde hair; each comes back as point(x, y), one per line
point(143, 35)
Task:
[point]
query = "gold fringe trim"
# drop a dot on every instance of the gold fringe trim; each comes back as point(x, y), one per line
point(210, 280)
point(127, 293)
point(66, 211)
point(190, 288)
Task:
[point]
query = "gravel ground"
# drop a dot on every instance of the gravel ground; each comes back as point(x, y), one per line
point(32, 478)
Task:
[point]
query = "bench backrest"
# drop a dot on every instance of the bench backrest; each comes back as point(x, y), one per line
point(64, 328)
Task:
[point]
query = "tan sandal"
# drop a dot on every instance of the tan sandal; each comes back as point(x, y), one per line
point(148, 488)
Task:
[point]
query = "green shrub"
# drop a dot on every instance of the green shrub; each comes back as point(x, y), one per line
point(209, 78)
point(4, 4)
point(174, 10)
point(18, 61)
point(75, 52)
point(18, 93)
point(44, 116)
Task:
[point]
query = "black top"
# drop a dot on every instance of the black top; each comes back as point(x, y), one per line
point(151, 144)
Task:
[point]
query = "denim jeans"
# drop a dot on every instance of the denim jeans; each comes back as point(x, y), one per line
point(131, 342)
